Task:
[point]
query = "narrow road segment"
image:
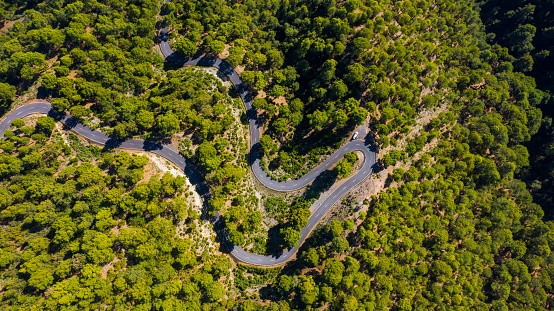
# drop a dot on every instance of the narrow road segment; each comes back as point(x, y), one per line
point(370, 156)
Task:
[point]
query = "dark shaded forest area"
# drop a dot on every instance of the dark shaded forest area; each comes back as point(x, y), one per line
point(527, 29)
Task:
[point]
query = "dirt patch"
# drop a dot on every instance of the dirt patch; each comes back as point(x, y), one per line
point(30, 120)
point(376, 183)
point(72, 74)
point(160, 164)
point(205, 230)
point(176, 139)
point(216, 73)
point(158, 50)
point(373, 184)
point(9, 24)
point(225, 53)
point(59, 127)
point(115, 230)
point(280, 100)
point(239, 69)
point(424, 118)
point(51, 61)
point(107, 267)
point(29, 97)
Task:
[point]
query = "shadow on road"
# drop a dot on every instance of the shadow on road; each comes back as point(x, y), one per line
point(321, 184)
point(256, 153)
point(114, 142)
point(369, 141)
point(198, 180)
point(151, 146)
point(58, 116)
point(219, 228)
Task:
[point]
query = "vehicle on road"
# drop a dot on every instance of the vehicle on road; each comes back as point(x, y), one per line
point(196, 177)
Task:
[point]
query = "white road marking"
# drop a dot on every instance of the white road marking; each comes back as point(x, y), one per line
point(239, 252)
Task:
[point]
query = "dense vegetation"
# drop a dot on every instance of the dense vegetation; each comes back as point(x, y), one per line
point(527, 29)
point(449, 106)
point(290, 67)
point(431, 245)
point(492, 111)
point(96, 234)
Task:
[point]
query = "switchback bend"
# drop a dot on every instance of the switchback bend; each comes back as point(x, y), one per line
point(196, 177)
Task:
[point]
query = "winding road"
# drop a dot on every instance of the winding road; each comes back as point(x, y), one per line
point(196, 177)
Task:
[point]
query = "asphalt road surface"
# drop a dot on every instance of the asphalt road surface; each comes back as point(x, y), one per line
point(194, 175)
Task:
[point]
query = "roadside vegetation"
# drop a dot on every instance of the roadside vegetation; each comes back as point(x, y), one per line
point(98, 227)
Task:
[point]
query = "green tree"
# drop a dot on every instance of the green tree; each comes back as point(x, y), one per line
point(339, 117)
point(335, 228)
point(350, 303)
point(215, 292)
point(168, 124)
point(340, 244)
point(284, 284)
point(7, 92)
point(45, 125)
point(356, 73)
point(307, 289)
point(298, 217)
point(281, 125)
point(217, 46)
point(343, 168)
point(18, 123)
point(359, 115)
point(145, 119)
point(290, 236)
point(79, 111)
point(207, 154)
point(333, 271)
point(185, 47)
point(311, 257)
point(339, 89)
point(318, 119)
point(267, 143)
point(60, 104)
point(328, 70)
point(41, 279)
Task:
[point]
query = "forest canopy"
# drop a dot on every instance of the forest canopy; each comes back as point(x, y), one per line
point(454, 94)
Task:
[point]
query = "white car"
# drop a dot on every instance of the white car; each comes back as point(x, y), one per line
point(355, 136)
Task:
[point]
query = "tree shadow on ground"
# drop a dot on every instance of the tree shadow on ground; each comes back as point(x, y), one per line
point(42, 92)
point(274, 244)
point(322, 183)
